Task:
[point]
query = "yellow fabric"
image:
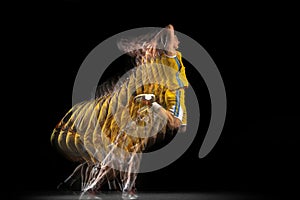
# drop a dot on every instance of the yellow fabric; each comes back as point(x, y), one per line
point(87, 131)
point(172, 62)
point(173, 106)
point(172, 96)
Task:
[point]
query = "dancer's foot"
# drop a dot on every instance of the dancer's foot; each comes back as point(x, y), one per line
point(89, 195)
point(129, 195)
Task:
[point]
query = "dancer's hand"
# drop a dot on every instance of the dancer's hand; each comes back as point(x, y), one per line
point(173, 122)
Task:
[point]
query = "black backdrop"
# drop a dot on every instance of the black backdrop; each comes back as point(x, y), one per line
point(257, 148)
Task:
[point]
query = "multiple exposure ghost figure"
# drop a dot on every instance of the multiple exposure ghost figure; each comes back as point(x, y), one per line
point(108, 134)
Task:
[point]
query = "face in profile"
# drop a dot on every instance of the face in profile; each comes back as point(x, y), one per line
point(176, 42)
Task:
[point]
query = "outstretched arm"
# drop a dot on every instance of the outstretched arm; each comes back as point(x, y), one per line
point(166, 40)
point(172, 41)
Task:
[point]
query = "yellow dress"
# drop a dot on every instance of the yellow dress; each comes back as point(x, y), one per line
point(89, 128)
point(175, 97)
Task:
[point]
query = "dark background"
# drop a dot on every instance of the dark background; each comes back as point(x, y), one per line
point(251, 46)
